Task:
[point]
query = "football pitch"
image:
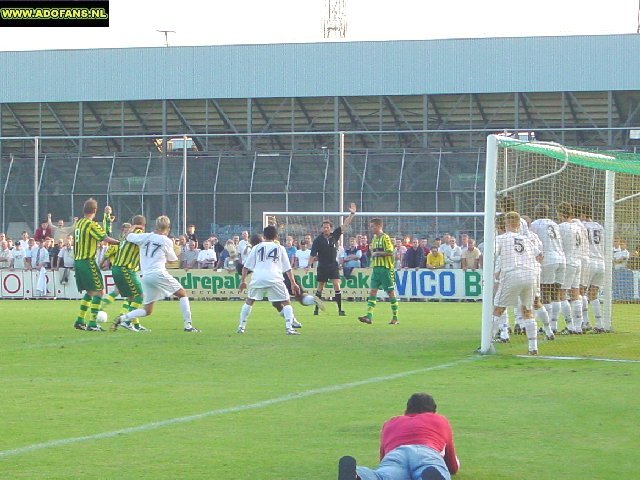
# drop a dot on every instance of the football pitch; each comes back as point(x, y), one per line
point(263, 405)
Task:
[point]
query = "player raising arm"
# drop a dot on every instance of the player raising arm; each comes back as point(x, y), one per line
point(325, 250)
point(87, 234)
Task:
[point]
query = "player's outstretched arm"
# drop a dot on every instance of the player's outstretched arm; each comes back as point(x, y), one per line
point(243, 279)
point(295, 288)
point(352, 213)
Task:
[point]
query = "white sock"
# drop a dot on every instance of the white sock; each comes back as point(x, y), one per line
point(137, 313)
point(555, 311)
point(577, 314)
point(532, 333)
point(245, 311)
point(543, 316)
point(288, 316)
point(585, 309)
point(566, 311)
point(504, 320)
point(597, 312)
point(549, 308)
point(496, 327)
point(185, 308)
point(517, 316)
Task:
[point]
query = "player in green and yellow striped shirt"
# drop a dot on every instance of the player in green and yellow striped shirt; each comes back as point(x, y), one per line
point(384, 274)
point(87, 234)
point(124, 266)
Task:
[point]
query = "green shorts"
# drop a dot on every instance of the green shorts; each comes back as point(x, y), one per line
point(383, 279)
point(126, 282)
point(88, 276)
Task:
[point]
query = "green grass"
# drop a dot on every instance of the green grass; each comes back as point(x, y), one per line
point(264, 405)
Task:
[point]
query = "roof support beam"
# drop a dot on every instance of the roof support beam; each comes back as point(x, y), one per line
point(187, 125)
point(101, 122)
point(400, 120)
point(61, 124)
point(267, 121)
point(436, 110)
point(228, 123)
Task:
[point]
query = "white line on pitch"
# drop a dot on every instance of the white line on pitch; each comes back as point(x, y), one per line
point(595, 359)
point(223, 411)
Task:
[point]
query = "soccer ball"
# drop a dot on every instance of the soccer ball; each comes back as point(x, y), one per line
point(102, 317)
point(307, 300)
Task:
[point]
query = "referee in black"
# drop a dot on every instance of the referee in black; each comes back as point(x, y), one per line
point(325, 251)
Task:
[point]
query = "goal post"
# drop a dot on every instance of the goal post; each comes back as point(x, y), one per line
point(605, 184)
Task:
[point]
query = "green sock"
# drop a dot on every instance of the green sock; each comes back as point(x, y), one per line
point(95, 308)
point(394, 307)
point(84, 307)
point(126, 307)
point(108, 299)
point(371, 305)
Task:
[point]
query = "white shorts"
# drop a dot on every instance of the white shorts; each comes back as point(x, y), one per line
point(571, 277)
point(584, 272)
point(275, 293)
point(552, 273)
point(158, 285)
point(517, 285)
point(596, 273)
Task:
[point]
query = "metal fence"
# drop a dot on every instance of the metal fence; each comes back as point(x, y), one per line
point(228, 190)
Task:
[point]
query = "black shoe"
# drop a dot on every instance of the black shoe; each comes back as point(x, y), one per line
point(365, 319)
point(342, 313)
point(431, 473)
point(79, 326)
point(315, 312)
point(347, 468)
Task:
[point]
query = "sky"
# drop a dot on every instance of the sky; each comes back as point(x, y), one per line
point(227, 22)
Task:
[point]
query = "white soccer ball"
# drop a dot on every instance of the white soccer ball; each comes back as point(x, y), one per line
point(307, 300)
point(102, 317)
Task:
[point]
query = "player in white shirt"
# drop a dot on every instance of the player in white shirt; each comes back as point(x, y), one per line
point(515, 259)
point(539, 309)
point(268, 261)
point(571, 234)
point(584, 271)
point(155, 250)
point(553, 264)
point(595, 281)
point(506, 203)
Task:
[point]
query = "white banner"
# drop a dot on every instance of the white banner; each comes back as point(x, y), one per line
point(208, 284)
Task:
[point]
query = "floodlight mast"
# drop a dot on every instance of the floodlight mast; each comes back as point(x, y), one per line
point(334, 25)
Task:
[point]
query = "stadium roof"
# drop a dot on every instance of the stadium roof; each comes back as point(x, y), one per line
point(491, 65)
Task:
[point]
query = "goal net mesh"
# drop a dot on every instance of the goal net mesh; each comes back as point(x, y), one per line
point(533, 174)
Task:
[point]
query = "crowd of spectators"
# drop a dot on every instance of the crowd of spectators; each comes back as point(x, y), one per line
point(51, 247)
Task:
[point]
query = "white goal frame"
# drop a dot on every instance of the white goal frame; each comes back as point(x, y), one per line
point(491, 193)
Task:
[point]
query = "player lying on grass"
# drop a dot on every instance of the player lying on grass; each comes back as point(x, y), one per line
point(417, 445)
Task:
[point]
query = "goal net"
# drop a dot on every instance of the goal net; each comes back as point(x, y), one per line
point(581, 212)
